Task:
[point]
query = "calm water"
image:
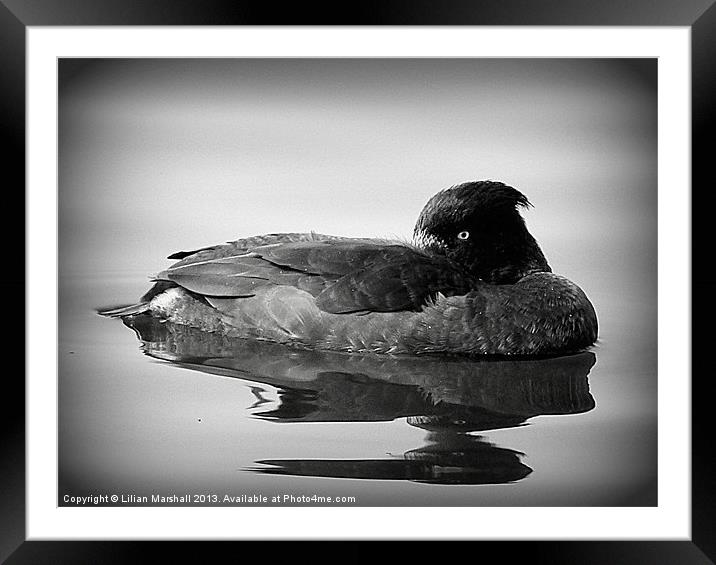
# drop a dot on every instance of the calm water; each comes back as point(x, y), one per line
point(156, 156)
point(169, 411)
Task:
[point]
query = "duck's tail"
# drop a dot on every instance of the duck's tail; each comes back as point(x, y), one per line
point(122, 311)
point(141, 306)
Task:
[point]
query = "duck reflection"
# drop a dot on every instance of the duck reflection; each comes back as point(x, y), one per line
point(447, 397)
point(448, 458)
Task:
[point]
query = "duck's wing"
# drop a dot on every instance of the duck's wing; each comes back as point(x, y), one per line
point(395, 279)
point(370, 275)
point(247, 244)
point(345, 275)
point(232, 270)
point(240, 270)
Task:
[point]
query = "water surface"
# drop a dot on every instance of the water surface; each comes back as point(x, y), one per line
point(169, 410)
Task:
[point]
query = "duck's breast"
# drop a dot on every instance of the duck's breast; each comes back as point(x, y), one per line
point(543, 313)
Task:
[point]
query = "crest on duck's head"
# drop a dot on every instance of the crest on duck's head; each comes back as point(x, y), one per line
point(469, 199)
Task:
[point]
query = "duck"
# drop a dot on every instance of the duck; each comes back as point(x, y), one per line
point(472, 282)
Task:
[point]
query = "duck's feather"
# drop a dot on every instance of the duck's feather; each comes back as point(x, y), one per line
point(344, 275)
point(242, 246)
point(183, 254)
point(394, 279)
point(329, 257)
point(120, 312)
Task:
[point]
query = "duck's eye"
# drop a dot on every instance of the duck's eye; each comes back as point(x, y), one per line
point(463, 235)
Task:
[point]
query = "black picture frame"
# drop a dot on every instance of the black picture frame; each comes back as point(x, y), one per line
point(698, 15)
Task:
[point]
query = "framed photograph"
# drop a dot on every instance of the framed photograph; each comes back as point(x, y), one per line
point(188, 188)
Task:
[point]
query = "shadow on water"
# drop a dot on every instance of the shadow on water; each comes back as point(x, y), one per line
point(448, 397)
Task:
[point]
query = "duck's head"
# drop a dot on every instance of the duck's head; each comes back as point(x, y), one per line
point(478, 225)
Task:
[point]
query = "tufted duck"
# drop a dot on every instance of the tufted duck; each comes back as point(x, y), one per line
point(472, 282)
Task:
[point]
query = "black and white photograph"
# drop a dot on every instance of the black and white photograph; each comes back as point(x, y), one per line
point(406, 272)
point(357, 282)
